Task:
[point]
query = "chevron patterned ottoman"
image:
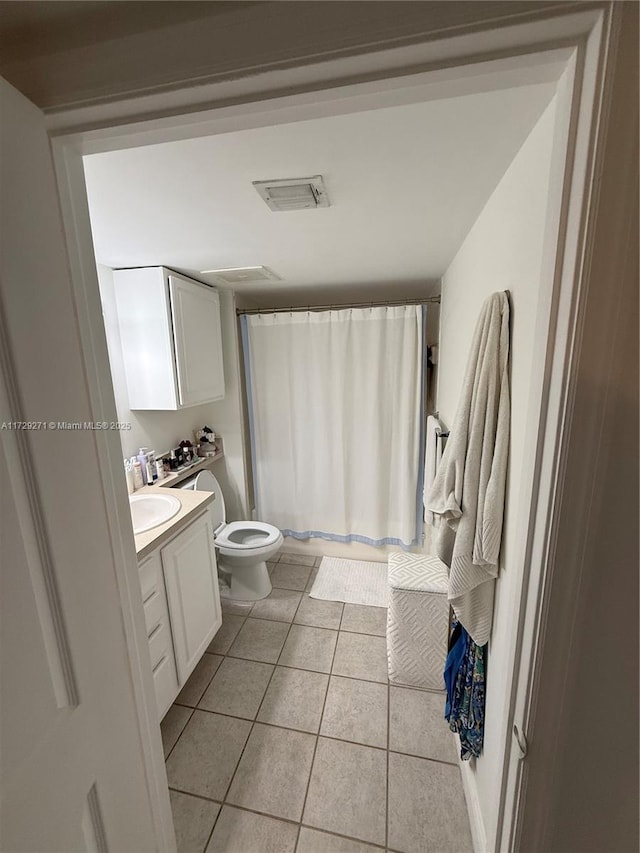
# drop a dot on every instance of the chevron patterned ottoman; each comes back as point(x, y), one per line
point(417, 620)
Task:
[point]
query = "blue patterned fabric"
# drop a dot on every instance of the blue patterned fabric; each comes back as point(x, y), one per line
point(464, 676)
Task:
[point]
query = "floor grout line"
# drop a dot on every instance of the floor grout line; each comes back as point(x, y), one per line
point(316, 735)
point(315, 746)
point(386, 825)
point(253, 722)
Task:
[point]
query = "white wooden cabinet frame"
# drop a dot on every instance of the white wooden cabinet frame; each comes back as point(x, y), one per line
point(584, 42)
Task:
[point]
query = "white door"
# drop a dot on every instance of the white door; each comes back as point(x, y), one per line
point(75, 760)
point(191, 578)
point(198, 344)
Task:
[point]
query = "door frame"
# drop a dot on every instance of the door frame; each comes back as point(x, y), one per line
point(590, 35)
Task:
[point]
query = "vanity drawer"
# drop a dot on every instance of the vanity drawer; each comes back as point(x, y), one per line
point(155, 609)
point(165, 682)
point(150, 573)
point(160, 642)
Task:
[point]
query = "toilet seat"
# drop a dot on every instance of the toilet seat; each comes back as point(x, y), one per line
point(236, 537)
point(246, 536)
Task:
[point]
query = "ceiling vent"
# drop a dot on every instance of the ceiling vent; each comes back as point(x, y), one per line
point(293, 193)
point(242, 275)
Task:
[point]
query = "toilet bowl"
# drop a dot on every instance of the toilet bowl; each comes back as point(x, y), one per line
point(243, 546)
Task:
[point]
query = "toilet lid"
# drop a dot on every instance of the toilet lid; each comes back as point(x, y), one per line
point(206, 482)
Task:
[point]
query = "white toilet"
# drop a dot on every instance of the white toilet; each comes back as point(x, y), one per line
point(243, 546)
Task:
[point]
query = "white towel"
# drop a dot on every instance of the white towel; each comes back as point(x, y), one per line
point(432, 456)
point(468, 490)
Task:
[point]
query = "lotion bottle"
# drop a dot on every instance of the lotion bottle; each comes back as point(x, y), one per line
point(137, 473)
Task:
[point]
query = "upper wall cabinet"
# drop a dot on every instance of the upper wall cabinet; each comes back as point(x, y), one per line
point(171, 339)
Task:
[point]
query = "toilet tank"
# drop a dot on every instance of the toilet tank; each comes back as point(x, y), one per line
point(206, 482)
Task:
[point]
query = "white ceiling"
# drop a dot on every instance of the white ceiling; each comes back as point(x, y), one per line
point(405, 185)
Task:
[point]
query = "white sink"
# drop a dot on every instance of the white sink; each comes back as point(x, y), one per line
point(149, 511)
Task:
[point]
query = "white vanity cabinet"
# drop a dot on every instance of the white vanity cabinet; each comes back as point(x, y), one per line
point(171, 340)
point(181, 599)
point(191, 579)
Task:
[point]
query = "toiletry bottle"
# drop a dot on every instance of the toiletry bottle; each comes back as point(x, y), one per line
point(137, 473)
point(151, 456)
point(173, 461)
point(147, 474)
point(159, 470)
point(128, 470)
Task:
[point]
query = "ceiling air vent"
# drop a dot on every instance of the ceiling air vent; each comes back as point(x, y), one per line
point(293, 193)
point(242, 275)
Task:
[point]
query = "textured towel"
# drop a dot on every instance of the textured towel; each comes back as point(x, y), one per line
point(432, 456)
point(468, 490)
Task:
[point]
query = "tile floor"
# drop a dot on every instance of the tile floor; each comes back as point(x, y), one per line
point(288, 738)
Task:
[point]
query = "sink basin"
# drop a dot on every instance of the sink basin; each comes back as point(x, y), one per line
point(149, 511)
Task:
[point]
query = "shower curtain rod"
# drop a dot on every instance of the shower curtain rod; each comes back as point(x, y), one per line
point(334, 307)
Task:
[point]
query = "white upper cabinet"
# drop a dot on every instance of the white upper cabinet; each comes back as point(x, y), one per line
point(171, 339)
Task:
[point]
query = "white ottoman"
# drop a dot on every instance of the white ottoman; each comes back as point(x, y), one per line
point(417, 621)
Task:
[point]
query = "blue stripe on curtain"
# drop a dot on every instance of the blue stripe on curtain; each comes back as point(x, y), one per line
point(244, 333)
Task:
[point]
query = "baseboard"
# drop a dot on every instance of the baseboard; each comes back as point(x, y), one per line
point(470, 787)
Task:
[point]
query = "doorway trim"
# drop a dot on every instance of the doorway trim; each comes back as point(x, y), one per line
point(294, 94)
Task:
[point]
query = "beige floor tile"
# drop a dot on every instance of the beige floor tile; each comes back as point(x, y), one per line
point(347, 791)
point(318, 613)
point(361, 656)
point(199, 680)
point(294, 699)
point(193, 820)
point(356, 711)
point(417, 725)
point(287, 576)
point(273, 772)
point(205, 757)
point(309, 648)
point(238, 831)
point(239, 608)
point(314, 841)
point(231, 624)
point(280, 605)
point(311, 581)
point(260, 640)
point(172, 725)
point(361, 619)
point(426, 807)
point(237, 688)
point(298, 559)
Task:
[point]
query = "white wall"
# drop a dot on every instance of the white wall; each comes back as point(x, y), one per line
point(503, 251)
point(227, 417)
point(163, 430)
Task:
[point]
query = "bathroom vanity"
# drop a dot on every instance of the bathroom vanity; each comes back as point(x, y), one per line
point(179, 583)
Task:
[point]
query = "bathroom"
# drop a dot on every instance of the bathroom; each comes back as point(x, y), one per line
point(468, 216)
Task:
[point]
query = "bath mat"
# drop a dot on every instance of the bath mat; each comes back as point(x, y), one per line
point(352, 581)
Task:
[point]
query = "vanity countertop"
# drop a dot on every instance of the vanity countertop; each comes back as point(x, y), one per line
point(192, 505)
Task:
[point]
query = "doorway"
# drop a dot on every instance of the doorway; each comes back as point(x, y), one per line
point(68, 152)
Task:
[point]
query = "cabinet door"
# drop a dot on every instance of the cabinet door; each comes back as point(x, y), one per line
point(191, 580)
point(197, 339)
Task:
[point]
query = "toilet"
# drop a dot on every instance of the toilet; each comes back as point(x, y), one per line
point(243, 546)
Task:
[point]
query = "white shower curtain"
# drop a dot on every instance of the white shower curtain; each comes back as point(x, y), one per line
point(335, 403)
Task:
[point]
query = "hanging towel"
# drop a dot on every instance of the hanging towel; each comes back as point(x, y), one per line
point(468, 490)
point(465, 680)
point(432, 456)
